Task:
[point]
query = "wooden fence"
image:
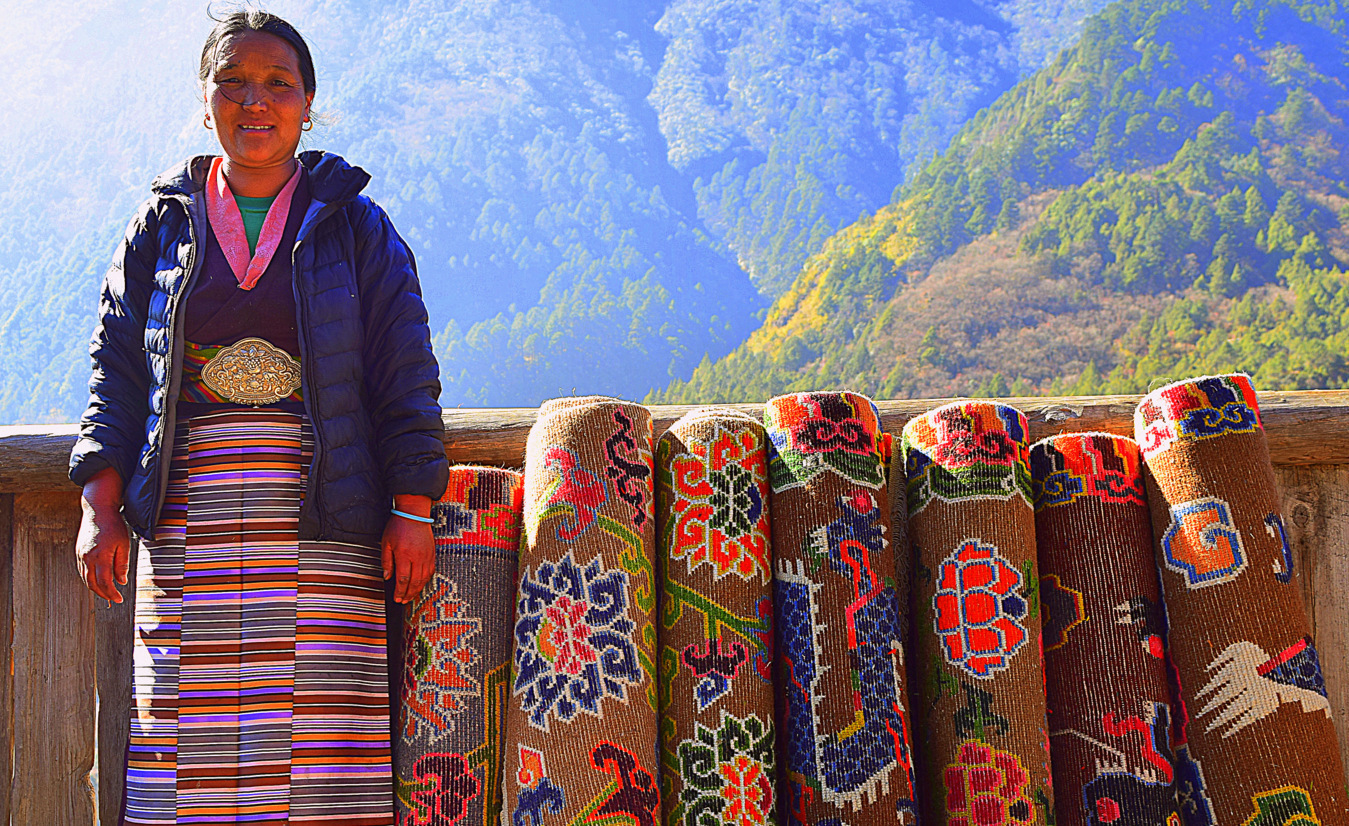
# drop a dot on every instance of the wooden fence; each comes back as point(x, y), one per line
point(65, 697)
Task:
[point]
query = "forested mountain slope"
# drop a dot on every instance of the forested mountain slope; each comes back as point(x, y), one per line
point(795, 117)
point(780, 122)
point(598, 194)
point(1168, 197)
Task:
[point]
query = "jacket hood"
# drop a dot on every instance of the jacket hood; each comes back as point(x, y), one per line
point(331, 179)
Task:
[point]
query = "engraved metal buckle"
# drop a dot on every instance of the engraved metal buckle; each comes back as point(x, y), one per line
point(252, 371)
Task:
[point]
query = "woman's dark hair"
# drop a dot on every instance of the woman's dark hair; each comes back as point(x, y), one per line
point(256, 20)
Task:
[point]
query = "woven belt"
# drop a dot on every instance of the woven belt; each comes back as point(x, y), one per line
point(252, 371)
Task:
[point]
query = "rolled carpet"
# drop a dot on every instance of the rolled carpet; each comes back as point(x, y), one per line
point(456, 656)
point(984, 747)
point(1258, 743)
point(581, 723)
point(844, 730)
point(716, 633)
point(1109, 702)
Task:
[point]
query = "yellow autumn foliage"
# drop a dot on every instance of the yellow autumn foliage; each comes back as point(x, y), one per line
point(804, 309)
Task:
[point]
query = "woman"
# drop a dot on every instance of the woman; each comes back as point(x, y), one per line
point(263, 413)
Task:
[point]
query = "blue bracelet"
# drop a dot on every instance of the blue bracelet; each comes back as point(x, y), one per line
point(426, 520)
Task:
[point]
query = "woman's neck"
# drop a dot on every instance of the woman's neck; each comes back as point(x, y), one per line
point(257, 182)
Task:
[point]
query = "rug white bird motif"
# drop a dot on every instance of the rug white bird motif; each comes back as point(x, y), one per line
point(1250, 685)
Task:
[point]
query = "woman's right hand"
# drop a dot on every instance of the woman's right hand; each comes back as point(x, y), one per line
point(103, 546)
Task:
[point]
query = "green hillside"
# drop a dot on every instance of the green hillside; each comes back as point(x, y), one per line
point(1168, 197)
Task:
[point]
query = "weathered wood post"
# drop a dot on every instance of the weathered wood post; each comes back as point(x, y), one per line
point(53, 656)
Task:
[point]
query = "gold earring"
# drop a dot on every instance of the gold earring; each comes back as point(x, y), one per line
point(206, 121)
point(307, 126)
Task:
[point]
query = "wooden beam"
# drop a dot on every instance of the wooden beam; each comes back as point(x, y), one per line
point(1304, 427)
point(53, 666)
point(30, 457)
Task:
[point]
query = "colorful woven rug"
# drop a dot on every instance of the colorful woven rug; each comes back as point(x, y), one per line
point(977, 617)
point(716, 633)
point(1259, 747)
point(456, 657)
point(844, 731)
point(1103, 631)
point(581, 726)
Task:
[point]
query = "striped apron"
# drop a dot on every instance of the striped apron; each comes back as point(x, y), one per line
point(260, 688)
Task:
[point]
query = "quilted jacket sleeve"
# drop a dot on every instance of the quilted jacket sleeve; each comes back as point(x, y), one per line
point(401, 375)
point(112, 429)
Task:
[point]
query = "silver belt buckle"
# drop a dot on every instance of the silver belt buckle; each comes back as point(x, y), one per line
point(252, 371)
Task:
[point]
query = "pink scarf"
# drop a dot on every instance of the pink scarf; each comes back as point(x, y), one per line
point(228, 225)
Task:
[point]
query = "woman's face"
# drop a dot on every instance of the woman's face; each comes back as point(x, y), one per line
point(255, 99)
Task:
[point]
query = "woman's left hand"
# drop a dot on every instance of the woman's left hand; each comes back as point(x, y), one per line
point(409, 550)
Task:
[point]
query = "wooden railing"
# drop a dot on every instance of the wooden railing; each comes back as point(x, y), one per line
point(65, 699)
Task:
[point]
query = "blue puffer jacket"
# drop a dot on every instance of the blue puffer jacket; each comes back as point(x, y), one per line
point(370, 380)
